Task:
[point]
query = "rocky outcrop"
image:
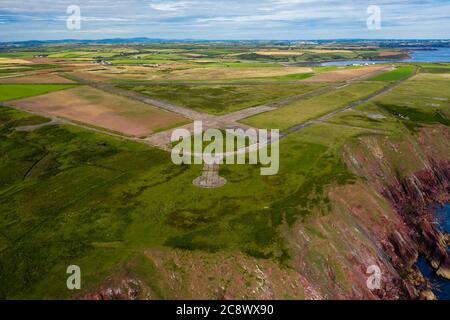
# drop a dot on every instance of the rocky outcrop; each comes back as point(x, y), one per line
point(447, 238)
point(125, 289)
point(414, 176)
point(379, 224)
point(179, 274)
point(415, 198)
point(382, 222)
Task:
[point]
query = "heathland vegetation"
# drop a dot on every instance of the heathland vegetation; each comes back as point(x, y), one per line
point(222, 99)
point(82, 192)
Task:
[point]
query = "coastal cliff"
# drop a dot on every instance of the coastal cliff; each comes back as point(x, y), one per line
point(413, 175)
point(384, 220)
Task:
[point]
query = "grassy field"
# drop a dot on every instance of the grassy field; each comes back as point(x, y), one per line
point(41, 78)
point(343, 74)
point(222, 99)
point(13, 61)
point(194, 62)
point(423, 99)
point(436, 68)
point(97, 196)
point(105, 211)
point(311, 108)
point(138, 79)
point(420, 100)
point(17, 91)
point(394, 75)
point(9, 70)
point(69, 195)
point(220, 54)
point(224, 73)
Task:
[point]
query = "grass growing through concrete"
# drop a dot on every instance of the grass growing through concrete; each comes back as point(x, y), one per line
point(394, 75)
point(303, 110)
point(222, 99)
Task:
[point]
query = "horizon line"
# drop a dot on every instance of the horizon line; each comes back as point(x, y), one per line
point(223, 40)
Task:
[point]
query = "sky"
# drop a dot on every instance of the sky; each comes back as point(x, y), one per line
point(223, 19)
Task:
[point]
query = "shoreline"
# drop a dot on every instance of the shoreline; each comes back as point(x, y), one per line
point(417, 207)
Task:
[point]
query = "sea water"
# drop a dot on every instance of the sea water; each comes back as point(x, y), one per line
point(437, 55)
point(441, 286)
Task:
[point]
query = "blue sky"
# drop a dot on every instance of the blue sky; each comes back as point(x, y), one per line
point(223, 19)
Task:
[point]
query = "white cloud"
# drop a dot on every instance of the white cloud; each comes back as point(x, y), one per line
point(293, 15)
point(170, 6)
point(227, 19)
point(95, 19)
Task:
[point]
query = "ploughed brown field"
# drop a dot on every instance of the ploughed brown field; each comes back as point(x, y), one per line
point(231, 73)
point(46, 60)
point(13, 61)
point(345, 74)
point(43, 78)
point(103, 110)
point(388, 54)
point(212, 73)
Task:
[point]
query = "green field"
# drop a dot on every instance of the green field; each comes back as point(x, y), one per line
point(17, 91)
point(435, 67)
point(76, 197)
point(423, 99)
point(193, 54)
point(222, 99)
point(394, 75)
point(9, 70)
point(71, 195)
point(303, 110)
point(288, 78)
point(79, 197)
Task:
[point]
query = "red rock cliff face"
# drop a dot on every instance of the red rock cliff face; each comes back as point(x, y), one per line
point(385, 219)
point(415, 198)
point(414, 176)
